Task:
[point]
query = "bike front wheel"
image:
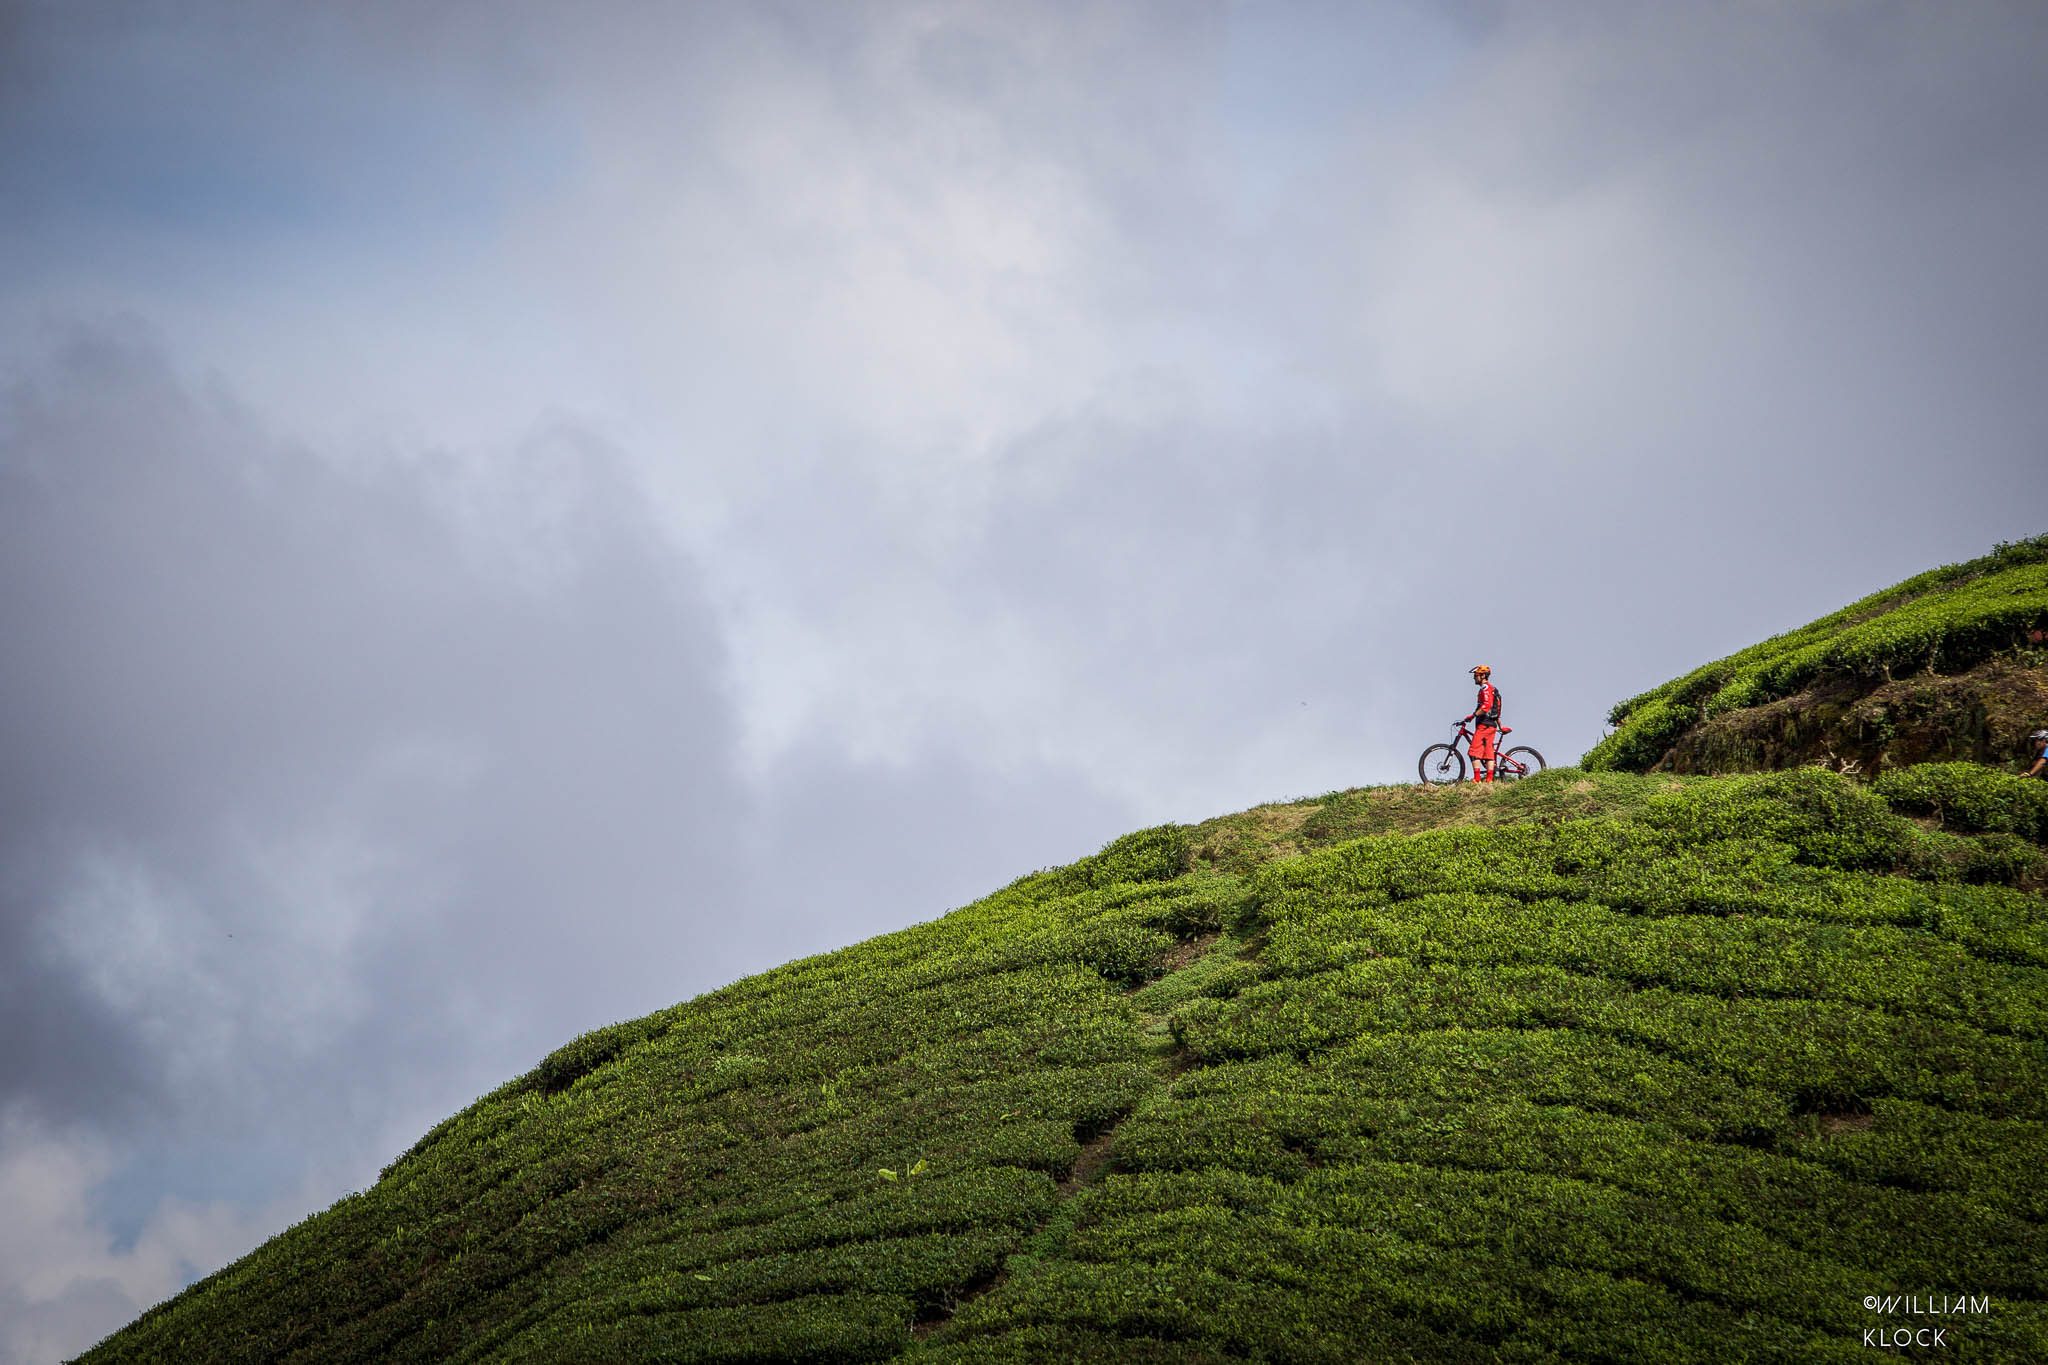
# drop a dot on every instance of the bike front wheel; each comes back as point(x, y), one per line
point(1441, 764)
point(1519, 761)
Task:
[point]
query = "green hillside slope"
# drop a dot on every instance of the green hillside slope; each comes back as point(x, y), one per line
point(1606, 1066)
point(1951, 664)
point(1597, 1065)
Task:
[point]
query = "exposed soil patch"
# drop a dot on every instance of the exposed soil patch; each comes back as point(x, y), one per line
point(1834, 1125)
point(1281, 819)
point(1184, 953)
point(1094, 1156)
point(941, 1314)
point(1980, 716)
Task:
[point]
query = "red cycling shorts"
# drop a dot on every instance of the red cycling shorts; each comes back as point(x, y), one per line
point(1485, 738)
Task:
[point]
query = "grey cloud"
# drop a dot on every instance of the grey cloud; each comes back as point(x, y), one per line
point(872, 846)
point(54, 1329)
point(1704, 298)
point(1630, 338)
point(1219, 605)
point(252, 696)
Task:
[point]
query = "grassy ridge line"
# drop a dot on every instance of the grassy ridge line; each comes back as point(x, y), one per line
point(1944, 620)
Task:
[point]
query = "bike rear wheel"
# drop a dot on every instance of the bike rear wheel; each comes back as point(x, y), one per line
point(1441, 764)
point(1519, 761)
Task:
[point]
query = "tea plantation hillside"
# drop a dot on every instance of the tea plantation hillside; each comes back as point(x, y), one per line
point(1951, 664)
point(1601, 1066)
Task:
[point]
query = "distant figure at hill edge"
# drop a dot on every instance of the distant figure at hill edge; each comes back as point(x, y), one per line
point(2038, 744)
point(1485, 720)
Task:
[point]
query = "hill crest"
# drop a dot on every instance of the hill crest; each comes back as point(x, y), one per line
point(1950, 665)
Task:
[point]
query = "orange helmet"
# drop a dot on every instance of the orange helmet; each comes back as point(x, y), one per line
point(1482, 670)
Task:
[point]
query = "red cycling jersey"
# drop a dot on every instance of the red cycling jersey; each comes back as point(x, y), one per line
point(1486, 711)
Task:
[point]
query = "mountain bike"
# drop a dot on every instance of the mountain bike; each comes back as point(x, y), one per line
point(1444, 763)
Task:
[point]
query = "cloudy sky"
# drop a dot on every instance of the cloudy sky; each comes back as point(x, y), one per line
point(514, 515)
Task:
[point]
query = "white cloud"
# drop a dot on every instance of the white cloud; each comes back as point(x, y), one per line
point(67, 1277)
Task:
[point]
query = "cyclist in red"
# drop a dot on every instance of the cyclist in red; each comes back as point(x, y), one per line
point(1485, 720)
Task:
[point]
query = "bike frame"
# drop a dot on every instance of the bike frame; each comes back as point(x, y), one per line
point(1500, 758)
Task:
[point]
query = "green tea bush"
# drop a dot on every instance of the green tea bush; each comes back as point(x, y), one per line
point(1970, 796)
point(1150, 855)
point(1649, 730)
point(1220, 972)
point(566, 1065)
point(821, 1328)
point(1829, 821)
point(2007, 860)
point(1121, 952)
